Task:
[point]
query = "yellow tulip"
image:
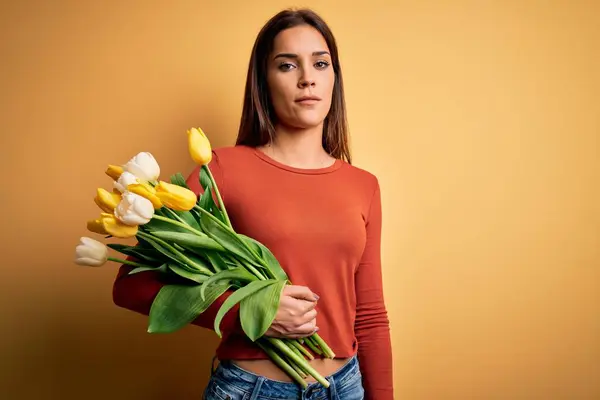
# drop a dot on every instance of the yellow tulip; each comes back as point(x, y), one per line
point(108, 224)
point(199, 146)
point(114, 171)
point(146, 191)
point(106, 200)
point(175, 197)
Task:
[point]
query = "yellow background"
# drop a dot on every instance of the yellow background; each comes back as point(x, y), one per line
point(481, 119)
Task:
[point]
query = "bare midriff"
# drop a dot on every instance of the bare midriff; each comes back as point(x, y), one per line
point(266, 368)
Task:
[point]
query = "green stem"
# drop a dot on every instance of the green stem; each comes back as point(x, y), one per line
point(181, 257)
point(219, 198)
point(216, 220)
point(279, 345)
point(282, 364)
point(180, 224)
point(174, 215)
point(133, 263)
point(323, 345)
point(297, 368)
point(301, 349)
point(313, 347)
point(256, 272)
point(293, 348)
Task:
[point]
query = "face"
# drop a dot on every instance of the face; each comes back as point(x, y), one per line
point(300, 77)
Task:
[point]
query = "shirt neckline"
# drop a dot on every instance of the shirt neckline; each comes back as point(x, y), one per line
point(309, 171)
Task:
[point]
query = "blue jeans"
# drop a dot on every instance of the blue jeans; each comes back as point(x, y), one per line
point(230, 382)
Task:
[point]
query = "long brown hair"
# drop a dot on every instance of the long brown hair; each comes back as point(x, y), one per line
point(256, 126)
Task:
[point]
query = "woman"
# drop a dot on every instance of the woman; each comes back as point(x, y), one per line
point(289, 183)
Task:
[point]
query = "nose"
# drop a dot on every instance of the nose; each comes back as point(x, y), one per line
point(305, 81)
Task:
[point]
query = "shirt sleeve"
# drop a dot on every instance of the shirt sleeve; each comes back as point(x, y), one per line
point(137, 292)
point(372, 325)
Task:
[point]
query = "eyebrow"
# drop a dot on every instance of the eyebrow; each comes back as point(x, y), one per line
point(292, 55)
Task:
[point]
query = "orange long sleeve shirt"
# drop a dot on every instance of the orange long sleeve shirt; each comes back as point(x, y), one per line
point(324, 227)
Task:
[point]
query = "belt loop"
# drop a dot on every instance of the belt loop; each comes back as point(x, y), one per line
point(332, 388)
point(257, 387)
point(212, 366)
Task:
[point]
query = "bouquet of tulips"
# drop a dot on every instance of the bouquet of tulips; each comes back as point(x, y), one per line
point(192, 237)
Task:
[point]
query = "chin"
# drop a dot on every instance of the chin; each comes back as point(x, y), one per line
point(307, 121)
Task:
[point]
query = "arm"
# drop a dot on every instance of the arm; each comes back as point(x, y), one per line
point(137, 292)
point(372, 325)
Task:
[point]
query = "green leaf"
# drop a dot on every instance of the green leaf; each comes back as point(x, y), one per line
point(179, 180)
point(200, 261)
point(273, 264)
point(237, 296)
point(217, 260)
point(179, 257)
point(184, 273)
point(207, 202)
point(162, 268)
point(139, 252)
point(204, 179)
point(189, 240)
point(239, 274)
point(226, 238)
point(258, 310)
point(176, 306)
point(156, 225)
point(189, 219)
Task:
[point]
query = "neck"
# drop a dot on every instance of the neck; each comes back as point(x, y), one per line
point(302, 148)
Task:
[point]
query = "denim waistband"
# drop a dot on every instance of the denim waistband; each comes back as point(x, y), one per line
point(245, 380)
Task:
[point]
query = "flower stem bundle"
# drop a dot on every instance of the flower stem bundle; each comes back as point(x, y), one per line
point(193, 238)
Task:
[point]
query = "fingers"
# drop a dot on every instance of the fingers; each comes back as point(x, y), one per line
point(300, 292)
point(308, 317)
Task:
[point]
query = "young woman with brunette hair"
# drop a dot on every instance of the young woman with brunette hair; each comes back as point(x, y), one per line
point(289, 182)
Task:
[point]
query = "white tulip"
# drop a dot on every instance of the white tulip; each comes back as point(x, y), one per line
point(90, 252)
point(126, 179)
point(144, 166)
point(134, 209)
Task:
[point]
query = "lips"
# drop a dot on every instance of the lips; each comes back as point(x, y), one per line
point(308, 100)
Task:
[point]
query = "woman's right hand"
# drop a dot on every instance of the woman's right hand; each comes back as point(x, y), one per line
point(296, 316)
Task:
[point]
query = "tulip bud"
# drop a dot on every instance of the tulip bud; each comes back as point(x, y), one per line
point(90, 252)
point(143, 166)
point(199, 146)
point(175, 197)
point(106, 200)
point(146, 191)
point(108, 224)
point(126, 179)
point(114, 171)
point(134, 209)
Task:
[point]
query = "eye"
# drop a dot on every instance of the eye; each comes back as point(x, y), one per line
point(286, 66)
point(321, 64)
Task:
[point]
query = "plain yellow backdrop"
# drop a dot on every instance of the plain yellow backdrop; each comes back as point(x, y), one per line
point(480, 118)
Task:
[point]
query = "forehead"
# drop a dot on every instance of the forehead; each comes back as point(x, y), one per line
point(302, 39)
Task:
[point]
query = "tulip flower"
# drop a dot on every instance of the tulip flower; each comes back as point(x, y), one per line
point(114, 171)
point(90, 252)
point(199, 146)
point(175, 197)
point(126, 179)
point(108, 224)
point(107, 201)
point(134, 209)
point(146, 191)
point(143, 166)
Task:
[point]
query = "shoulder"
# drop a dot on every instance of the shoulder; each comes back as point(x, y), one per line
point(362, 177)
point(232, 151)
point(232, 155)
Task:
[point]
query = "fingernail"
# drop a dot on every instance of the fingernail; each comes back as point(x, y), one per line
point(317, 297)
